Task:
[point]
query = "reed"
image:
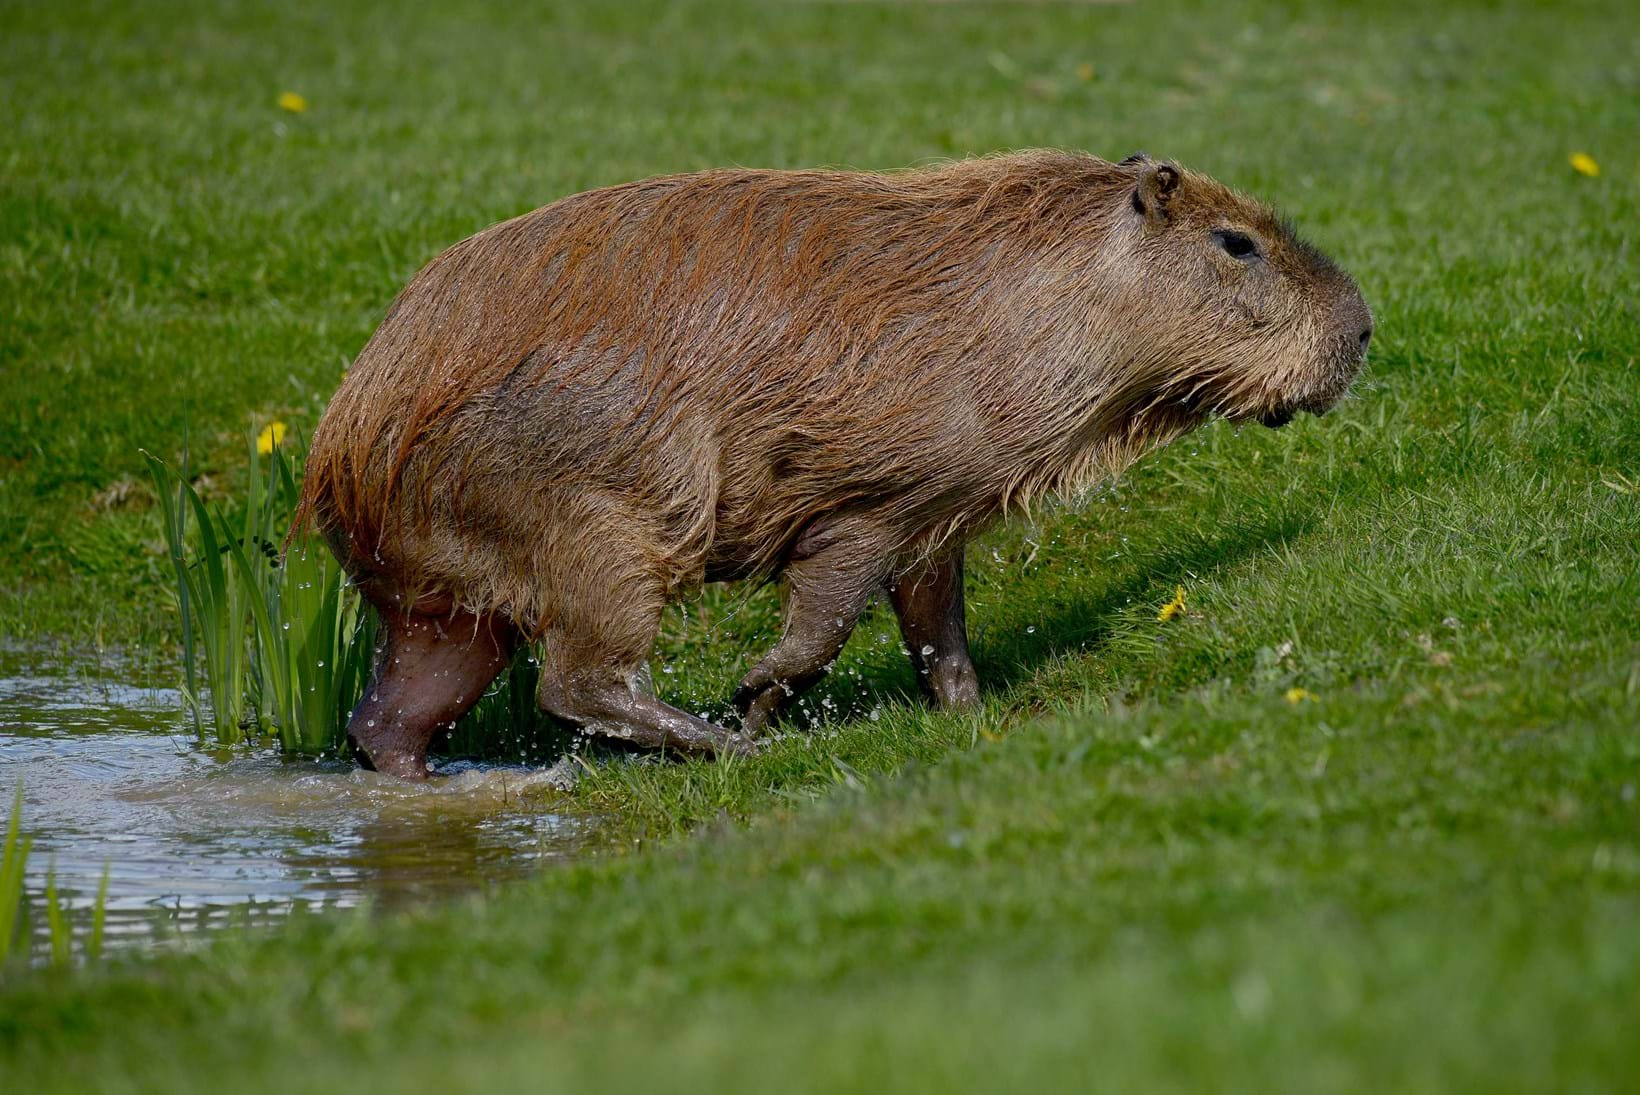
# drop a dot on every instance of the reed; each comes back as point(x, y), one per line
point(214, 605)
point(314, 639)
point(280, 643)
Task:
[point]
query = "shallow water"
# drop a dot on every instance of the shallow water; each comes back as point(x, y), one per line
point(191, 836)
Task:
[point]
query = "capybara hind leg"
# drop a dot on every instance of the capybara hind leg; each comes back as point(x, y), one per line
point(429, 672)
point(829, 579)
point(928, 601)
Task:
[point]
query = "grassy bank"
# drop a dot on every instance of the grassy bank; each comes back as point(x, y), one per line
point(1364, 815)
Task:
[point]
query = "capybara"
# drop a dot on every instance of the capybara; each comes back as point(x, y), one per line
point(829, 378)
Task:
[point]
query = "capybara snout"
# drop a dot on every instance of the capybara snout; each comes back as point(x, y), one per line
point(830, 378)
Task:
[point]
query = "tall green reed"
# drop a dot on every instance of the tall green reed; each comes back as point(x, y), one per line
point(282, 644)
point(215, 605)
point(314, 641)
point(283, 641)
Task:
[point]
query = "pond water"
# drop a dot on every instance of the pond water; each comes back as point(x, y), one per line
point(113, 777)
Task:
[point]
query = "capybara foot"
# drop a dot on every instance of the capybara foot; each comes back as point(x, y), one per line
point(611, 703)
point(704, 740)
point(737, 745)
point(954, 689)
point(388, 760)
point(760, 707)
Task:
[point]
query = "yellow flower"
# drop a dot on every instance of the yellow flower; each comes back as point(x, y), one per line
point(272, 435)
point(1298, 695)
point(1173, 607)
point(291, 101)
point(1084, 72)
point(1584, 164)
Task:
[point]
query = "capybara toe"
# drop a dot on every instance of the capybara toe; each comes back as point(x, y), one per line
point(389, 762)
point(737, 745)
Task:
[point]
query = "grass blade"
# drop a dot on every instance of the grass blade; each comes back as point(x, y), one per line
point(62, 932)
point(13, 859)
point(94, 942)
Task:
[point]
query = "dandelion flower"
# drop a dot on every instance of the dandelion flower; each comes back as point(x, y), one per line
point(1584, 164)
point(272, 435)
point(1173, 607)
point(291, 101)
point(1298, 695)
point(1084, 72)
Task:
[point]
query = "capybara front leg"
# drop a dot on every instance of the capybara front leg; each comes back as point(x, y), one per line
point(429, 672)
point(826, 591)
point(619, 704)
point(929, 602)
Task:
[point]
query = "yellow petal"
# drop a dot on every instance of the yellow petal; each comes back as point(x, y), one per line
point(1173, 607)
point(1298, 695)
point(1584, 164)
point(1084, 72)
point(272, 435)
point(291, 101)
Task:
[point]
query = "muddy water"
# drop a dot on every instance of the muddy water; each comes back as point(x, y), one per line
point(194, 836)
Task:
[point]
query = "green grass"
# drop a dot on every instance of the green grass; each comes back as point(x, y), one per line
point(1140, 866)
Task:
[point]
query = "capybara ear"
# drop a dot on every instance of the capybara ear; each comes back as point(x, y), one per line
point(1157, 184)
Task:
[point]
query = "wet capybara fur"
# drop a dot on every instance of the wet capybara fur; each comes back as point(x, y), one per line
point(829, 378)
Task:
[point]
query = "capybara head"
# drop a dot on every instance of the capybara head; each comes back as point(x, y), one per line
point(1267, 324)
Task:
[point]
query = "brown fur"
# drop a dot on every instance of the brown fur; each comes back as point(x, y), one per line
point(575, 415)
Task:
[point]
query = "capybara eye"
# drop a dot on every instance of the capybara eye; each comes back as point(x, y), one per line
point(1237, 244)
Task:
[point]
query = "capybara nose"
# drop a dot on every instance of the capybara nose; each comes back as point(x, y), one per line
point(1366, 337)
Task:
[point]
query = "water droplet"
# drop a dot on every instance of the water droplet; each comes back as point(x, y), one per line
point(1031, 630)
point(928, 648)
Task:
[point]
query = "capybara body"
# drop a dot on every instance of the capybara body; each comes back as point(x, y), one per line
point(830, 378)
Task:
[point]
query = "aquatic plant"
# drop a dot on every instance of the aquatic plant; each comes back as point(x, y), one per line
point(314, 636)
point(283, 641)
point(214, 604)
point(314, 640)
point(279, 642)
